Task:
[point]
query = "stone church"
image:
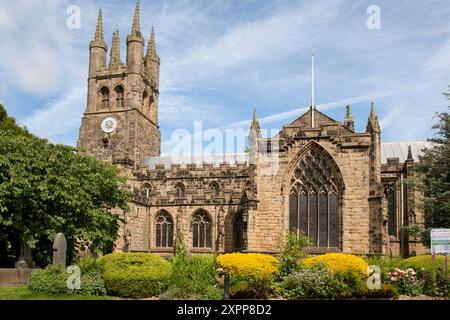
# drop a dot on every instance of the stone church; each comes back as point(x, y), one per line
point(344, 189)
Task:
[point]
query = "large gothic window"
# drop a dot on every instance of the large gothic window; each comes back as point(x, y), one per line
point(164, 230)
point(392, 217)
point(314, 201)
point(201, 230)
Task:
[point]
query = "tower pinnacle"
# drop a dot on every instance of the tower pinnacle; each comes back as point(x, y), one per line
point(115, 51)
point(99, 29)
point(136, 30)
point(151, 49)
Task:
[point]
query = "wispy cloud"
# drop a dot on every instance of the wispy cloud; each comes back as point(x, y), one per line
point(60, 119)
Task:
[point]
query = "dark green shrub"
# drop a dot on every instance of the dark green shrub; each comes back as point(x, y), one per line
point(92, 284)
point(135, 275)
point(51, 280)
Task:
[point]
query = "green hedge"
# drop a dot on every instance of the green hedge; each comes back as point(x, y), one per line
point(53, 280)
point(135, 275)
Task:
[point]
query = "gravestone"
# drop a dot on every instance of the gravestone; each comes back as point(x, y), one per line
point(25, 258)
point(59, 250)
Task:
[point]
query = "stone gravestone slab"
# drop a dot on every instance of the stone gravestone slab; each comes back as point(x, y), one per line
point(59, 250)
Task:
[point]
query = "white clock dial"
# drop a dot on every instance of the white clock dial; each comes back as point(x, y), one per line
point(109, 125)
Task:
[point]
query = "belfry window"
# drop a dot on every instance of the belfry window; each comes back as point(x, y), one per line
point(146, 190)
point(201, 230)
point(120, 97)
point(104, 93)
point(164, 230)
point(180, 190)
point(389, 191)
point(215, 188)
point(314, 201)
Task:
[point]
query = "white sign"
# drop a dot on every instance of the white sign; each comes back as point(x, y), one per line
point(440, 241)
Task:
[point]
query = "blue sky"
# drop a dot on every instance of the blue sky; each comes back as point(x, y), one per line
point(221, 58)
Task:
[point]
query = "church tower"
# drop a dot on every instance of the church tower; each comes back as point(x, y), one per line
point(120, 124)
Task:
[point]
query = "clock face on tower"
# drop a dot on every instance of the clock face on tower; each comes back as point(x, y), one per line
point(109, 125)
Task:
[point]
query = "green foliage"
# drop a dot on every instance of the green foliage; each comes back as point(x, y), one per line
point(194, 278)
point(47, 188)
point(434, 172)
point(53, 280)
point(432, 271)
point(135, 275)
point(8, 123)
point(180, 249)
point(292, 250)
point(89, 265)
point(386, 264)
point(408, 282)
point(314, 282)
point(251, 287)
point(423, 262)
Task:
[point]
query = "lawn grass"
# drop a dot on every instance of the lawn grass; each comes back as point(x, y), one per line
point(23, 293)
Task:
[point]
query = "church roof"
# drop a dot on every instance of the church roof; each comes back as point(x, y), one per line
point(399, 149)
point(232, 159)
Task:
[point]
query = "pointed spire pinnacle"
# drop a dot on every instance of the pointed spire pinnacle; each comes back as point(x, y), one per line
point(373, 120)
point(255, 122)
point(410, 157)
point(372, 111)
point(151, 49)
point(347, 112)
point(136, 31)
point(115, 51)
point(99, 29)
point(349, 121)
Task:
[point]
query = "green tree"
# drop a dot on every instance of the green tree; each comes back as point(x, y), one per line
point(8, 123)
point(47, 188)
point(435, 174)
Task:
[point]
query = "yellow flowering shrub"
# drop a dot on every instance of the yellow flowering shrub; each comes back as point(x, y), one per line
point(248, 264)
point(250, 274)
point(340, 262)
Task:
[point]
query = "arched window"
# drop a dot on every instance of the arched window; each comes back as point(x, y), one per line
point(389, 191)
point(104, 93)
point(314, 201)
point(164, 230)
point(146, 190)
point(180, 190)
point(201, 230)
point(120, 96)
point(215, 188)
